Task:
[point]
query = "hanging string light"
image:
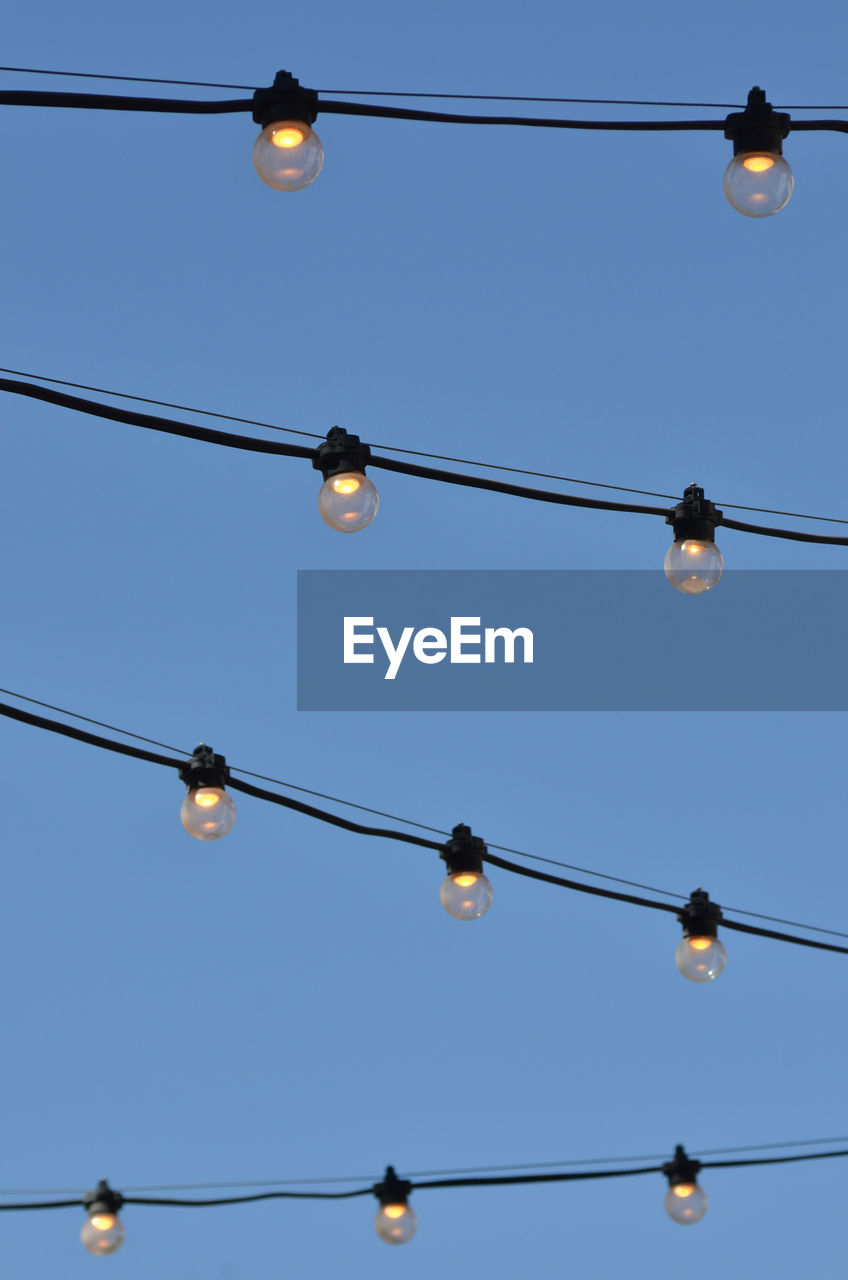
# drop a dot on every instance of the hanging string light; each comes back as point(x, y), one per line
point(395, 1221)
point(693, 562)
point(347, 500)
point(466, 893)
point(758, 181)
point(685, 1201)
point(700, 955)
point(207, 813)
point(102, 1232)
point(288, 154)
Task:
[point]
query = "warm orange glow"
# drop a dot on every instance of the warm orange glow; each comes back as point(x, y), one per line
point(693, 548)
point(346, 484)
point(700, 944)
point(103, 1221)
point(288, 136)
point(465, 879)
point(394, 1210)
point(206, 799)
point(684, 1189)
point(758, 164)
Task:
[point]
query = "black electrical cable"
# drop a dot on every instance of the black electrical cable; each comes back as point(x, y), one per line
point(255, 445)
point(183, 106)
point(405, 837)
point(432, 1184)
point(383, 93)
point(415, 453)
point(410, 822)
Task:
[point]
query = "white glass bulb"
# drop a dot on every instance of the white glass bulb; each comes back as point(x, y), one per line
point(687, 1202)
point(102, 1233)
point(288, 155)
point(758, 183)
point(700, 959)
point(208, 813)
point(693, 566)
point(348, 501)
point(466, 895)
point(395, 1223)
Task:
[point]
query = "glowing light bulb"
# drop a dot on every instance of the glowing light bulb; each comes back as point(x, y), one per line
point(102, 1232)
point(700, 959)
point(395, 1223)
point(758, 183)
point(208, 813)
point(288, 155)
point(348, 501)
point(466, 895)
point(686, 1202)
point(693, 565)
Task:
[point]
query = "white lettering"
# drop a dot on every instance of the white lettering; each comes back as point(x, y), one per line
point(352, 639)
point(509, 637)
point(460, 638)
point(394, 655)
point(430, 645)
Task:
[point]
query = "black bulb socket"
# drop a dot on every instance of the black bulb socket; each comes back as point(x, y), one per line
point(759, 127)
point(102, 1199)
point(286, 99)
point(681, 1169)
point(204, 769)
point(695, 517)
point(700, 917)
point(463, 852)
point(340, 452)
point(392, 1190)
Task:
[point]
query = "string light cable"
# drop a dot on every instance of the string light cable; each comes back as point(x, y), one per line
point(348, 500)
point(288, 155)
point(466, 893)
point(396, 1222)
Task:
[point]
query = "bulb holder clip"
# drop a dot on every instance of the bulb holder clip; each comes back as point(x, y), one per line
point(463, 852)
point(102, 1199)
point(340, 452)
point(286, 99)
point(681, 1169)
point(759, 127)
point(695, 517)
point(392, 1190)
point(204, 769)
point(700, 917)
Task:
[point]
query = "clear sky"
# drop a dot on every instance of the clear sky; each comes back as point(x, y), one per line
point(292, 1002)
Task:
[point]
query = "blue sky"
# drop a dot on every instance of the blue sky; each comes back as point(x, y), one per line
point(292, 1001)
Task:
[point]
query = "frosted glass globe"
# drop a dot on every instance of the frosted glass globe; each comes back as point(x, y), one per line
point(758, 183)
point(208, 813)
point(348, 501)
point(693, 566)
point(466, 895)
point(102, 1233)
point(288, 155)
point(686, 1202)
point(395, 1223)
point(700, 959)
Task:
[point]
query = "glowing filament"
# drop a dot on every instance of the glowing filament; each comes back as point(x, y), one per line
point(758, 164)
point(684, 1189)
point(206, 799)
point(103, 1221)
point(700, 944)
point(346, 484)
point(287, 137)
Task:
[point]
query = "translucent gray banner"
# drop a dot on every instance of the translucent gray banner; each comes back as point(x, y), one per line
point(571, 640)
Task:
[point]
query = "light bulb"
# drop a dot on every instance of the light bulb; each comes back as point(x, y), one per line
point(466, 895)
point(758, 183)
point(208, 813)
point(348, 501)
point(693, 565)
point(395, 1223)
point(700, 959)
point(102, 1233)
point(686, 1202)
point(288, 155)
